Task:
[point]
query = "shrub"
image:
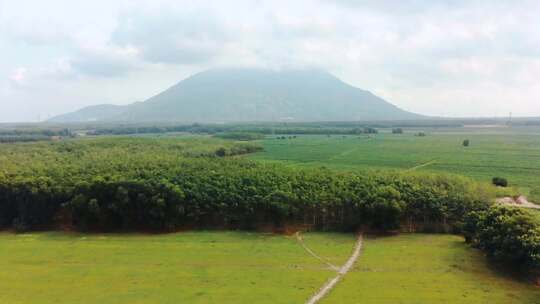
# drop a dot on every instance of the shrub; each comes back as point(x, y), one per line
point(397, 131)
point(500, 182)
point(466, 143)
point(506, 234)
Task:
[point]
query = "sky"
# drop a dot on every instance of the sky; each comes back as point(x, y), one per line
point(434, 57)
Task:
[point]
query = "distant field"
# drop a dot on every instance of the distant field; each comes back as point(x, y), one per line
point(426, 269)
point(242, 267)
point(194, 267)
point(513, 153)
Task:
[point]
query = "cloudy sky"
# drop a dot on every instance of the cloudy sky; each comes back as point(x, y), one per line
point(435, 57)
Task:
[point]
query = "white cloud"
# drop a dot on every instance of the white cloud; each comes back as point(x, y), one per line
point(433, 57)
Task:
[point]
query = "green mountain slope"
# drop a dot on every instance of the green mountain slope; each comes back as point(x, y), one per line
point(245, 95)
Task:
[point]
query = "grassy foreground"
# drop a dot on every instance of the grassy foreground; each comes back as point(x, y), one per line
point(194, 267)
point(419, 268)
point(242, 267)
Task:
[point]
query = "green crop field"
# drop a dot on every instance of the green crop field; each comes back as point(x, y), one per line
point(512, 153)
point(419, 268)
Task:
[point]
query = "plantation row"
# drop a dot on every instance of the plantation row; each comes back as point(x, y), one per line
point(157, 184)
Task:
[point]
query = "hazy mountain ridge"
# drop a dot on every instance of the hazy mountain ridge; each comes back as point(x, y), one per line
point(249, 95)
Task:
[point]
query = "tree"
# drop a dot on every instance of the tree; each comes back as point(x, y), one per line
point(397, 131)
point(221, 152)
point(466, 143)
point(500, 181)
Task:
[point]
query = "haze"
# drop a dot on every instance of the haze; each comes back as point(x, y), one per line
point(444, 58)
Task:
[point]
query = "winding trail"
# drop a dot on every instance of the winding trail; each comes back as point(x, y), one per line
point(341, 272)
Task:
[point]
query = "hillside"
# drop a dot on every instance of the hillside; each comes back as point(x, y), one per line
point(245, 95)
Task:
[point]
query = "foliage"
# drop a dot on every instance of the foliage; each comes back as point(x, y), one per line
point(166, 183)
point(397, 131)
point(507, 234)
point(466, 143)
point(243, 136)
point(500, 181)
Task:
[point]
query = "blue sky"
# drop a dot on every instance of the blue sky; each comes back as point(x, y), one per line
point(449, 58)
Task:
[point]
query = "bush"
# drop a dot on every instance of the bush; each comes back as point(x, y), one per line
point(466, 143)
point(506, 234)
point(420, 134)
point(500, 182)
point(397, 131)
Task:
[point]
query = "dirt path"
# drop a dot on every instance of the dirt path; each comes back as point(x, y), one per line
point(521, 201)
point(345, 153)
point(341, 272)
point(431, 162)
point(313, 254)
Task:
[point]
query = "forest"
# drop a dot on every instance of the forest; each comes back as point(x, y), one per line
point(165, 184)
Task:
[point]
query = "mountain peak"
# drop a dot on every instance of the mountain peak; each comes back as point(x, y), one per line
point(254, 94)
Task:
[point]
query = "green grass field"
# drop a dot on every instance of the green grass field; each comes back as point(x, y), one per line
point(418, 268)
point(194, 267)
point(513, 153)
point(242, 267)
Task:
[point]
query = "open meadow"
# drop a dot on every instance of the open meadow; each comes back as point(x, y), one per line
point(243, 267)
point(192, 267)
point(425, 269)
point(512, 153)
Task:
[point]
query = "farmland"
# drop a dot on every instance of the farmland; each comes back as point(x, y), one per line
point(513, 153)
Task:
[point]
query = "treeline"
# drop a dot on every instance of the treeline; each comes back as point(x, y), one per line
point(46, 132)
point(30, 135)
point(242, 136)
point(232, 129)
point(23, 138)
point(213, 192)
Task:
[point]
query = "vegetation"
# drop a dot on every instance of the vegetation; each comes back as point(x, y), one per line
point(188, 267)
point(500, 182)
point(466, 143)
point(508, 153)
point(397, 131)
point(507, 234)
point(426, 269)
point(164, 184)
point(242, 136)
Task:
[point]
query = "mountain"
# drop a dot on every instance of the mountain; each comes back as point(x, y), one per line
point(91, 113)
point(248, 95)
